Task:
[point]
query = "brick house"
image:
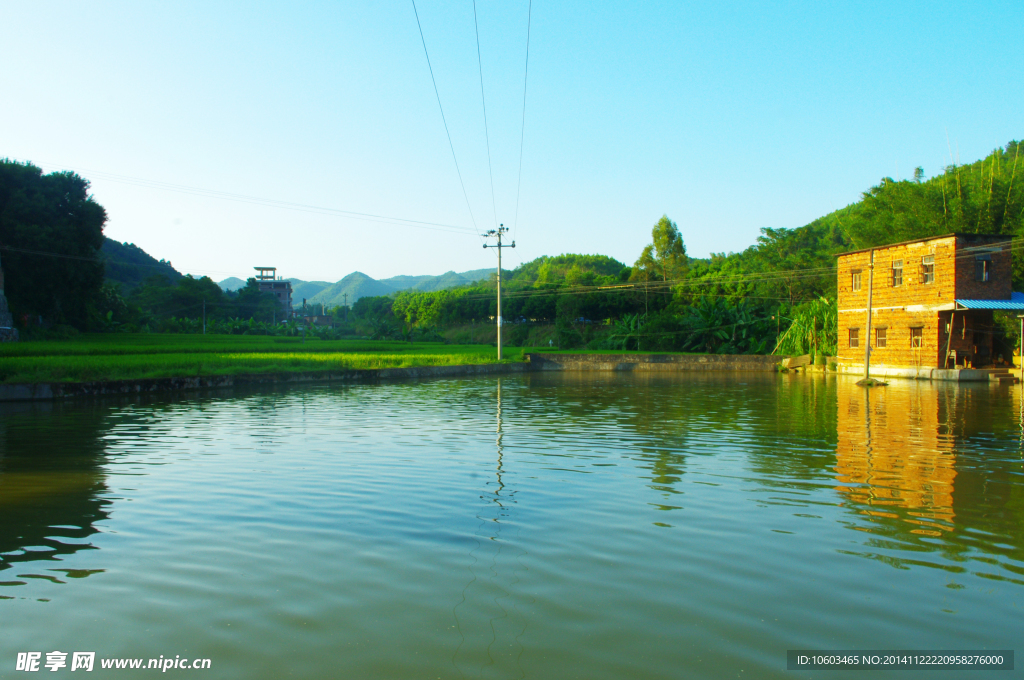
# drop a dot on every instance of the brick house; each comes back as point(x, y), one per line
point(932, 302)
point(270, 283)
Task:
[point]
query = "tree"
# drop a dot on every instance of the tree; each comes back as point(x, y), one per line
point(51, 232)
point(252, 303)
point(664, 258)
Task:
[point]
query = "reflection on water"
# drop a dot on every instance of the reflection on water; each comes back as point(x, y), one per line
point(922, 462)
point(490, 635)
point(545, 525)
point(51, 490)
point(896, 452)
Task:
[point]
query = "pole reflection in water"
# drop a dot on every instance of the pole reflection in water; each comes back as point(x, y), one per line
point(892, 459)
point(493, 645)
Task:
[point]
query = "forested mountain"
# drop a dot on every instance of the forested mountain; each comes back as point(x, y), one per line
point(449, 279)
point(794, 265)
point(356, 285)
point(306, 289)
point(126, 265)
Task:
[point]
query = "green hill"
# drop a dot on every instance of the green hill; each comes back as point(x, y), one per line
point(231, 283)
point(356, 285)
point(557, 269)
point(306, 289)
point(449, 279)
point(127, 265)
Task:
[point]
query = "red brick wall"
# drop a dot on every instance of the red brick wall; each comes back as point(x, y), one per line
point(999, 286)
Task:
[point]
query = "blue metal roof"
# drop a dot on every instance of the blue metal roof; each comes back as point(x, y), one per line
point(1016, 302)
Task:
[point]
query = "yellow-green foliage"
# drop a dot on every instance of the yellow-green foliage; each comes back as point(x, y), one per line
point(124, 357)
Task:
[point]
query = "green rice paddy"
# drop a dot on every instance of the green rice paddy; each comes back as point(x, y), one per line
point(130, 357)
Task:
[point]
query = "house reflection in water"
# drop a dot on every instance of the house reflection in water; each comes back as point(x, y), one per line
point(896, 452)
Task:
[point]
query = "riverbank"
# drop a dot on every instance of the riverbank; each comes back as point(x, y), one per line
point(99, 388)
point(627, 361)
point(108, 365)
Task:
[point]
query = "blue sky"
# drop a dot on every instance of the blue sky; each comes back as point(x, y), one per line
point(727, 117)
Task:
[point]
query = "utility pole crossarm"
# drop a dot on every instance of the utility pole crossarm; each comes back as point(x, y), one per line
point(497, 233)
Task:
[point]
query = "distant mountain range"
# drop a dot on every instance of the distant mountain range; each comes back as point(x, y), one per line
point(357, 285)
point(127, 265)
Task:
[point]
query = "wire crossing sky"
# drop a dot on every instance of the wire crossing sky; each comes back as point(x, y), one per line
point(291, 127)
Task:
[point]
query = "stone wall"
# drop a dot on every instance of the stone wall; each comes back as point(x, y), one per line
point(653, 362)
point(535, 362)
point(124, 387)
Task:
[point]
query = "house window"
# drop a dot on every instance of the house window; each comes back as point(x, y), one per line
point(854, 337)
point(880, 337)
point(928, 269)
point(855, 281)
point(897, 273)
point(917, 337)
point(983, 268)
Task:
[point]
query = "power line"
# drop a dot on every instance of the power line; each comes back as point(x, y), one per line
point(669, 286)
point(106, 260)
point(483, 102)
point(522, 131)
point(443, 120)
point(255, 200)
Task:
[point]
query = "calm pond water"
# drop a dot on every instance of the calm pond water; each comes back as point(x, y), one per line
point(543, 526)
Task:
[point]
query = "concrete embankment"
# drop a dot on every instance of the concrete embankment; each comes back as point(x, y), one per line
point(652, 362)
point(98, 388)
point(534, 362)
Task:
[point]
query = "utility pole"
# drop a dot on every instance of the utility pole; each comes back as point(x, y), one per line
point(346, 306)
point(1021, 317)
point(867, 339)
point(497, 233)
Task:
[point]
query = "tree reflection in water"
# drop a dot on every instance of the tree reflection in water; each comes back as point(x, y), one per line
point(52, 488)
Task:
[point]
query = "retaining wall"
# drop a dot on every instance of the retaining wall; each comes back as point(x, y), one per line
point(653, 362)
point(116, 387)
point(919, 373)
point(534, 362)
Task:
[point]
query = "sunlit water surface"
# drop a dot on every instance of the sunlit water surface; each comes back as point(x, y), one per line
point(544, 526)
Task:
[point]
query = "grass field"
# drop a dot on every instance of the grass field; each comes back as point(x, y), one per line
point(126, 357)
point(548, 350)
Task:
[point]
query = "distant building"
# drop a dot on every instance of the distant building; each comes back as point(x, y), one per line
point(932, 303)
point(269, 282)
point(320, 321)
